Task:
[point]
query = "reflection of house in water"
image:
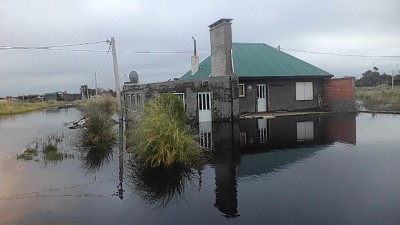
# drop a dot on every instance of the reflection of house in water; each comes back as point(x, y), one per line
point(262, 146)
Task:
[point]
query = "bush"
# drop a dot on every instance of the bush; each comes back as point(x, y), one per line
point(161, 137)
point(98, 122)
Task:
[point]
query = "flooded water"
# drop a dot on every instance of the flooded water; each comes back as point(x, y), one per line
point(331, 169)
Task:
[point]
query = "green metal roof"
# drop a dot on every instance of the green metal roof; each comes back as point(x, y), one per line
point(261, 60)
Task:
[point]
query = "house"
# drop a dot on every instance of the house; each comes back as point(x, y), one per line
point(242, 78)
point(269, 79)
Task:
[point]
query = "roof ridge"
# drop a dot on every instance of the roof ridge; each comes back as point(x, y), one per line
point(249, 43)
point(262, 60)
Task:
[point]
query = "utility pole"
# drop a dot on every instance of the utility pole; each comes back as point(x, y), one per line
point(95, 83)
point(117, 84)
point(392, 78)
point(121, 124)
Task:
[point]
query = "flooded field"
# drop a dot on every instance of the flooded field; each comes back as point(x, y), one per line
point(330, 169)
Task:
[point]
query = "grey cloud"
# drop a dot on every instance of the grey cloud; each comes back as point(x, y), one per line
point(365, 27)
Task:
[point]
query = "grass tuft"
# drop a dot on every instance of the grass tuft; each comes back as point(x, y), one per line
point(51, 153)
point(99, 124)
point(161, 137)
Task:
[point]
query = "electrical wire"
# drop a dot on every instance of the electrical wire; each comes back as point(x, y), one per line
point(49, 47)
point(104, 62)
point(66, 47)
point(340, 54)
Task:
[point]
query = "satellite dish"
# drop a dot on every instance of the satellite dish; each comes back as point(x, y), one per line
point(134, 77)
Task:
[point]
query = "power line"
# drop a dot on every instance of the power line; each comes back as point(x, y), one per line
point(49, 47)
point(104, 62)
point(340, 54)
point(64, 48)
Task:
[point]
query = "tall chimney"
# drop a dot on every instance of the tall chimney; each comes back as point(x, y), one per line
point(195, 59)
point(221, 46)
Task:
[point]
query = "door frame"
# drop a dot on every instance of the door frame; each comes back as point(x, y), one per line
point(261, 102)
point(204, 106)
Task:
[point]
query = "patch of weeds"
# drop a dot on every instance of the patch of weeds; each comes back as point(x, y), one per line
point(51, 153)
point(28, 154)
point(46, 149)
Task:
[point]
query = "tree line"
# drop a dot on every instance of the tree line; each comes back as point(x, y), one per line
point(372, 78)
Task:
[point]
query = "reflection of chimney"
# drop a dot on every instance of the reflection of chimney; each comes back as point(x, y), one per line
point(226, 190)
point(195, 59)
point(221, 46)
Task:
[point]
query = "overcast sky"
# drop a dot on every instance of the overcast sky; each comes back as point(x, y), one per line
point(364, 27)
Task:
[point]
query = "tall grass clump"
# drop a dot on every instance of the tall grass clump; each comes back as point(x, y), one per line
point(161, 137)
point(98, 126)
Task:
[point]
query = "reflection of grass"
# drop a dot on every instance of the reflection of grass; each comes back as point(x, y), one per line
point(379, 98)
point(160, 185)
point(161, 136)
point(95, 157)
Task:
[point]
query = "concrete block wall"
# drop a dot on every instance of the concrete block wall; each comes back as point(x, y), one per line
point(281, 95)
point(339, 94)
point(225, 105)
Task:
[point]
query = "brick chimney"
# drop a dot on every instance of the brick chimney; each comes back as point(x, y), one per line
point(221, 46)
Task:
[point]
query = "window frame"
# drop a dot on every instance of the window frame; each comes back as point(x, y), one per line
point(178, 94)
point(304, 91)
point(243, 87)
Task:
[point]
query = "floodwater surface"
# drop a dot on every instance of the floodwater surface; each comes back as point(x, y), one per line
point(322, 169)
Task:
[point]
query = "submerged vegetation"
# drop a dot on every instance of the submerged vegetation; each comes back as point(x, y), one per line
point(379, 98)
point(28, 154)
point(98, 126)
point(97, 138)
point(161, 137)
point(46, 150)
point(13, 107)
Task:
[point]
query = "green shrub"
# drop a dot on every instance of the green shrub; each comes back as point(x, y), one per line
point(161, 137)
point(98, 126)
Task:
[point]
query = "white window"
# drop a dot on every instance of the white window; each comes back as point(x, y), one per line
point(139, 101)
point(305, 131)
point(204, 100)
point(133, 102)
point(128, 101)
point(181, 97)
point(242, 92)
point(304, 91)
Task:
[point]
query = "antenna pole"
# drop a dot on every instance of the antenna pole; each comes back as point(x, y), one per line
point(194, 44)
point(117, 84)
